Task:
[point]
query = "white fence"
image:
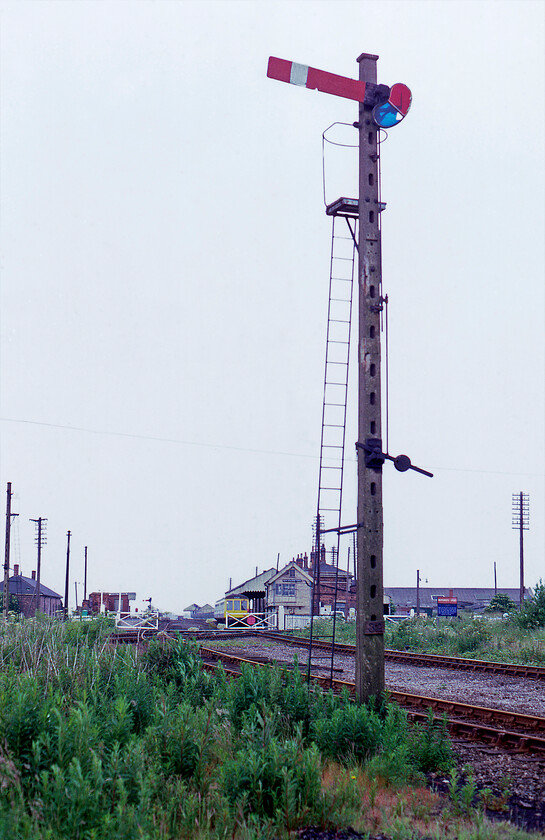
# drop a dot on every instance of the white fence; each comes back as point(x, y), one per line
point(295, 622)
point(250, 621)
point(144, 624)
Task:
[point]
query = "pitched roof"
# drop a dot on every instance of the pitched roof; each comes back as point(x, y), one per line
point(332, 570)
point(305, 573)
point(253, 584)
point(20, 585)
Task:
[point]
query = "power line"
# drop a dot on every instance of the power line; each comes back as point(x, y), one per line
point(159, 439)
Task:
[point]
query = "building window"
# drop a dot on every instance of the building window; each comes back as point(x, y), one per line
point(291, 572)
point(288, 590)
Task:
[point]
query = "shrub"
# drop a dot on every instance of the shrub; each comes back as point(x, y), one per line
point(282, 780)
point(430, 745)
point(173, 744)
point(532, 614)
point(351, 734)
point(501, 603)
point(472, 635)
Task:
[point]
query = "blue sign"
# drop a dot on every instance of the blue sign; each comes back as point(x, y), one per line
point(447, 609)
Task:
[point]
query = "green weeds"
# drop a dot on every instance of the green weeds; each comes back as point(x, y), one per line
point(99, 743)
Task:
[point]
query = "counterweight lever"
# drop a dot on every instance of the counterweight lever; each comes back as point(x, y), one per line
point(375, 457)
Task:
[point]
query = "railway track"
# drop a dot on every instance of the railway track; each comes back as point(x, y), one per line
point(458, 663)
point(505, 729)
point(509, 730)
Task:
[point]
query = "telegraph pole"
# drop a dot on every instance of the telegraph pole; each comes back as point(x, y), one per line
point(85, 577)
point(520, 509)
point(40, 539)
point(6, 555)
point(67, 576)
point(370, 618)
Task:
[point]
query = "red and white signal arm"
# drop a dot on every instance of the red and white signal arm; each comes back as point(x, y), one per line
point(388, 113)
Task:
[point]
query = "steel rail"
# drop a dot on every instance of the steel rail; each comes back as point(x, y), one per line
point(510, 669)
point(475, 722)
point(460, 663)
point(468, 729)
point(404, 698)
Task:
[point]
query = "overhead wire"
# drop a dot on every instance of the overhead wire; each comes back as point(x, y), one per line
point(159, 439)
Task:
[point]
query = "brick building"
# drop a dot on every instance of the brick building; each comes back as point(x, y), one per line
point(291, 587)
point(109, 601)
point(24, 589)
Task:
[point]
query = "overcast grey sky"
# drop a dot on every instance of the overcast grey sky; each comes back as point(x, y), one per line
point(164, 275)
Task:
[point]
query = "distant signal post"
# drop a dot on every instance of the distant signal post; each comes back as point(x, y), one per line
point(380, 106)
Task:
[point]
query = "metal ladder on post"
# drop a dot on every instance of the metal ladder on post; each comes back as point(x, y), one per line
point(337, 357)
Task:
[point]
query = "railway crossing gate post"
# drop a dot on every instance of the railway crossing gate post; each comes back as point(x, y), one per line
point(380, 107)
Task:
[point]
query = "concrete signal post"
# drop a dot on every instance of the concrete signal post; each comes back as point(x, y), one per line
point(380, 106)
point(370, 618)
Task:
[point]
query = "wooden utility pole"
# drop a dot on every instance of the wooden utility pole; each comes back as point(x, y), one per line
point(417, 592)
point(85, 577)
point(370, 617)
point(40, 522)
point(6, 555)
point(67, 577)
point(521, 521)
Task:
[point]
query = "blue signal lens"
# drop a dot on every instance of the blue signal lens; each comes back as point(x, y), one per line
point(385, 116)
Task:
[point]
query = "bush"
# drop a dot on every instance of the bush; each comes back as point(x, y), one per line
point(350, 735)
point(472, 635)
point(430, 745)
point(99, 742)
point(532, 614)
point(501, 603)
point(280, 779)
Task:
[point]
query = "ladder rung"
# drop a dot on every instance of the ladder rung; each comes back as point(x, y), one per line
point(325, 467)
point(335, 509)
point(345, 259)
point(336, 363)
point(334, 425)
point(338, 321)
point(344, 279)
point(340, 384)
point(337, 405)
point(336, 341)
point(332, 446)
point(342, 300)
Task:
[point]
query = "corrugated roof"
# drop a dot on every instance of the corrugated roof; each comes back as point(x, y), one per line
point(254, 584)
point(406, 595)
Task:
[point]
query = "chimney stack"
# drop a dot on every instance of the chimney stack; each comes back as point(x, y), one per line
point(16, 569)
point(33, 575)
